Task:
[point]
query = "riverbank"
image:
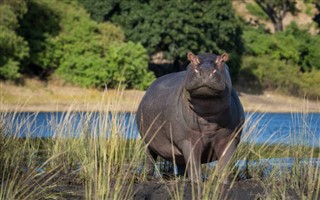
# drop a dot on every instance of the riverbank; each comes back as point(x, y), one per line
point(37, 96)
point(111, 169)
point(90, 166)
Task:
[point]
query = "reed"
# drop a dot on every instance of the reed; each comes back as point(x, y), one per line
point(24, 174)
point(280, 181)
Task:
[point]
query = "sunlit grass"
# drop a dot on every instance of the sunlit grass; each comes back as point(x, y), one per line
point(93, 152)
point(299, 179)
point(24, 174)
point(50, 96)
point(38, 96)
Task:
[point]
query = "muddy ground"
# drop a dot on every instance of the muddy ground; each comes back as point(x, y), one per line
point(159, 190)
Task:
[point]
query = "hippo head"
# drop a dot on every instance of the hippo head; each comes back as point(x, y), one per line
point(208, 75)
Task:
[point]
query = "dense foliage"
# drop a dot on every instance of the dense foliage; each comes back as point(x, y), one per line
point(13, 47)
point(67, 42)
point(256, 10)
point(96, 43)
point(287, 61)
point(294, 46)
point(175, 27)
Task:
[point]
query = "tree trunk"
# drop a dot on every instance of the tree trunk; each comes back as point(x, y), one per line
point(278, 26)
point(276, 12)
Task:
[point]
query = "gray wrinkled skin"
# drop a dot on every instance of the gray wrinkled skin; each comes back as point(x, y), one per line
point(189, 117)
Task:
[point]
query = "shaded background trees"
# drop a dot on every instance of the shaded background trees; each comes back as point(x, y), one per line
point(61, 39)
point(13, 47)
point(175, 27)
point(287, 60)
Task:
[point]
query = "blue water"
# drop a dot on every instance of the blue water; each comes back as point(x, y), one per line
point(62, 124)
point(283, 128)
point(286, 128)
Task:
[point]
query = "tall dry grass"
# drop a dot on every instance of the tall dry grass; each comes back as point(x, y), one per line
point(91, 149)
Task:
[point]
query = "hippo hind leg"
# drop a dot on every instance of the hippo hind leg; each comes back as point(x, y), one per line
point(150, 162)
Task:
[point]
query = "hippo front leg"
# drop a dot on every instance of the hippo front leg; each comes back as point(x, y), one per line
point(224, 151)
point(191, 154)
point(150, 162)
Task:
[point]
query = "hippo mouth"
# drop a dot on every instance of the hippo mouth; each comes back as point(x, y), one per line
point(205, 92)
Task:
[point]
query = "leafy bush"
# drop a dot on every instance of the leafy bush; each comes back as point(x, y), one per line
point(13, 48)
point(271, 73)
point(309, 84)
point(274, 74)
point(257, 42)
point(307, 46)
point(125, 63)
point(280, 46)
point(287, 61)
point(294, 46)
point(129, 68)
point(67, 42)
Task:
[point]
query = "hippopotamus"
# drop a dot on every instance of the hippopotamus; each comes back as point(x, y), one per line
point(192, 117)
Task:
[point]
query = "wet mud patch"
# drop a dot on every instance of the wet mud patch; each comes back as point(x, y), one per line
point(168, 189)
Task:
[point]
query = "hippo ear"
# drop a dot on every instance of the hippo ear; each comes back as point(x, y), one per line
point(194, 60)
point(225, 57)
point(222, 58)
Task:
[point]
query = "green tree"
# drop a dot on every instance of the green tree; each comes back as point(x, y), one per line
point(130, 68)
point(101, 10)
point(294, 46)
point(277, 10)
point(38, 33)
point(307, 46)
point(13, 47)
point(256, 41)
point(176, 27)
point(287, 61)
point(69, 43)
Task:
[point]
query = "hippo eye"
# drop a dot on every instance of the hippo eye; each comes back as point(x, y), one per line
point(213, 71)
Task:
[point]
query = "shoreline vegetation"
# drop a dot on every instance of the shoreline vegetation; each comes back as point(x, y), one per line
point(36, 96)
point(99, 166)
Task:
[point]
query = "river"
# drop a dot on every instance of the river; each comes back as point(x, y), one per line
point(286, 128)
